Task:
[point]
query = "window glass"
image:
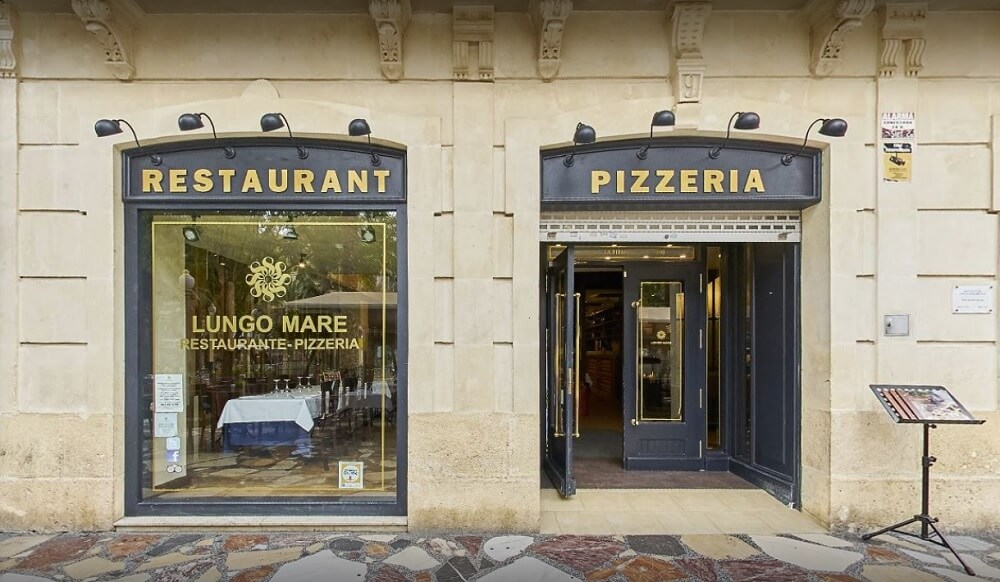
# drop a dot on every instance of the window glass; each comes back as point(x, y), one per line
point(273, 356)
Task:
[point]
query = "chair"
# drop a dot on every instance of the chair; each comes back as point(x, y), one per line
point(218, 395)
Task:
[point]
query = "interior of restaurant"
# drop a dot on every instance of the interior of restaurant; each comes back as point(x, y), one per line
point(273, 355)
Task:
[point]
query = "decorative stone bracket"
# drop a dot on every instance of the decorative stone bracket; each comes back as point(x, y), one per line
point(112, 22)
point(687, 68)
point(472, 26)
point(549, 19)
point(831, 23)
point(8, 63)
point(391, 19)
point(902, 27)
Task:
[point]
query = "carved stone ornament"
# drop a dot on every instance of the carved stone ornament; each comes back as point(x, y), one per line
point(549, 19)
point(472, 27)
point(902, 28)
point(831, 23)
point(113, 31)
point(391, 19)
point(687, 70)
point(8, 63)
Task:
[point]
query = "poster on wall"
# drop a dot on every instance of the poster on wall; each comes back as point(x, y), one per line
point(169, 391)
point(898, 125)
point(972, 299)
point(897, 161)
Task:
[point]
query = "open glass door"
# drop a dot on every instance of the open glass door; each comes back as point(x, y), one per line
point(563, 374)
point(664, 376)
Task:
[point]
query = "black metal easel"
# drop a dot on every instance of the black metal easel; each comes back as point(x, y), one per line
point(902, 412)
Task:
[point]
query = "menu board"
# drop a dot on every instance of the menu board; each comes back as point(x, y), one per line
point(922, 404)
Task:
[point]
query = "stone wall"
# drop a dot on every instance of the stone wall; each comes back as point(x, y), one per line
point(869, 249)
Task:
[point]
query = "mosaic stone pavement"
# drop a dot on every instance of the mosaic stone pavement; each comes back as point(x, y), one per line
point(458, 558)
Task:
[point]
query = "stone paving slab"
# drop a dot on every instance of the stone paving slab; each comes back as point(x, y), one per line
point(469, 557)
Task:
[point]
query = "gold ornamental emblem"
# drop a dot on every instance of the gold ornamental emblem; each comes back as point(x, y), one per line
point(267, 279)
point(661, 335)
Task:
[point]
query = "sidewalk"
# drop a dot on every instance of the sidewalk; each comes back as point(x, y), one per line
point(457, 558)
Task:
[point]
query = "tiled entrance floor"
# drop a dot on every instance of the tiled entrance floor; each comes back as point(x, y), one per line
point(670, 511)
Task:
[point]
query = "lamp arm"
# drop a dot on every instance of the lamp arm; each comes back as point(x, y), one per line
point(288, 126)
point(787, 158)
point(211, 124)
point(714, 152)
point(132, 129)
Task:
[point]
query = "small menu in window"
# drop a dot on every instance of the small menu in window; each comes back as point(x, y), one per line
point(922, 404)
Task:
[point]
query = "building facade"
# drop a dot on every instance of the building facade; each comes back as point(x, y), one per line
point(471, 233)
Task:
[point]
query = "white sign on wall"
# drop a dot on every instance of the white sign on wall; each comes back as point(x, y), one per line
point(165, 424)
point(169, 390)
point(972, 299)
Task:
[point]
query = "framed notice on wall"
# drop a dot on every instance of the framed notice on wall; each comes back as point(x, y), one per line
point(922, 404)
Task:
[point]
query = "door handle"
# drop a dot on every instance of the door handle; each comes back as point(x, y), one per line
point(576, 357)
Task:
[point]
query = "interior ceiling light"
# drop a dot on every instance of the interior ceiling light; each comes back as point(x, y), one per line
point(190, 121)
point(106, 127)
point(287, 231)
point(367, 234)
point(359, 127)
point(663, 118)
point(835, 127)
point(745, 120)
point(584, 134)
point(273, 121)
point(191, 233)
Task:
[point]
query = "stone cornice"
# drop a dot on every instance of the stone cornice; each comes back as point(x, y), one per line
point(687, 68)
point(472, 26)
point(549, 20)
point(111, 22)
point(8, 62)
point(391, 19)
point(902, 28)
point(831, 23)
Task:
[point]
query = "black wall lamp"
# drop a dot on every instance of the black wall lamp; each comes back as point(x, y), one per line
point(273, 121)
point(106, 127)
point(835, 127)
point(359, 127)
point(663, 118)
point(189, 121)
point(583, 134)
point(745, 120)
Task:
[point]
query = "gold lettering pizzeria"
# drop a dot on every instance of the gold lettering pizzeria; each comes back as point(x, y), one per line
point(277, 180)
point(667, 181)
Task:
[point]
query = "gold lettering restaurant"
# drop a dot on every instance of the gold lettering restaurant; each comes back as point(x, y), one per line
point(418, 265)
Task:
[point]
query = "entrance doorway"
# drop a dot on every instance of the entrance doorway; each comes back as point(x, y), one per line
point(663, 360)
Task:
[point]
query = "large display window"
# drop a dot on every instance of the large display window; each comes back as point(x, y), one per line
point(265, 351)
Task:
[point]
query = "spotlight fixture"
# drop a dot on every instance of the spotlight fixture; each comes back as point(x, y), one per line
point(663, 118)
point(745, 120)
point(359, 127)
point(287, 232)
point(273, 121)
point(367, 234)
point(191, 233)
point(584, 134)
point(302, 261)
point(106, 127)
point(189, 121)
point(835, 127)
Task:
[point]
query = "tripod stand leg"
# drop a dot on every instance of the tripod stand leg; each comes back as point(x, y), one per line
point(890, 528)
point(944, 542)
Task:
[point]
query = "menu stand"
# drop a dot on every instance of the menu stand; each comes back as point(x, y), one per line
point(929, 406)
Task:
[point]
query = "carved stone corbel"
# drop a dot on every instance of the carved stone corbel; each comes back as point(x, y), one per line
point(687, 69)
point(831, 23)
point(8, 62)
point(472, 26)
point(112, 22)
point(902, 28)
point(391, 19)
point(549, 19)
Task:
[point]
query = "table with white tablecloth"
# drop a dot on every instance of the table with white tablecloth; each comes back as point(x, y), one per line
point(283, 418)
